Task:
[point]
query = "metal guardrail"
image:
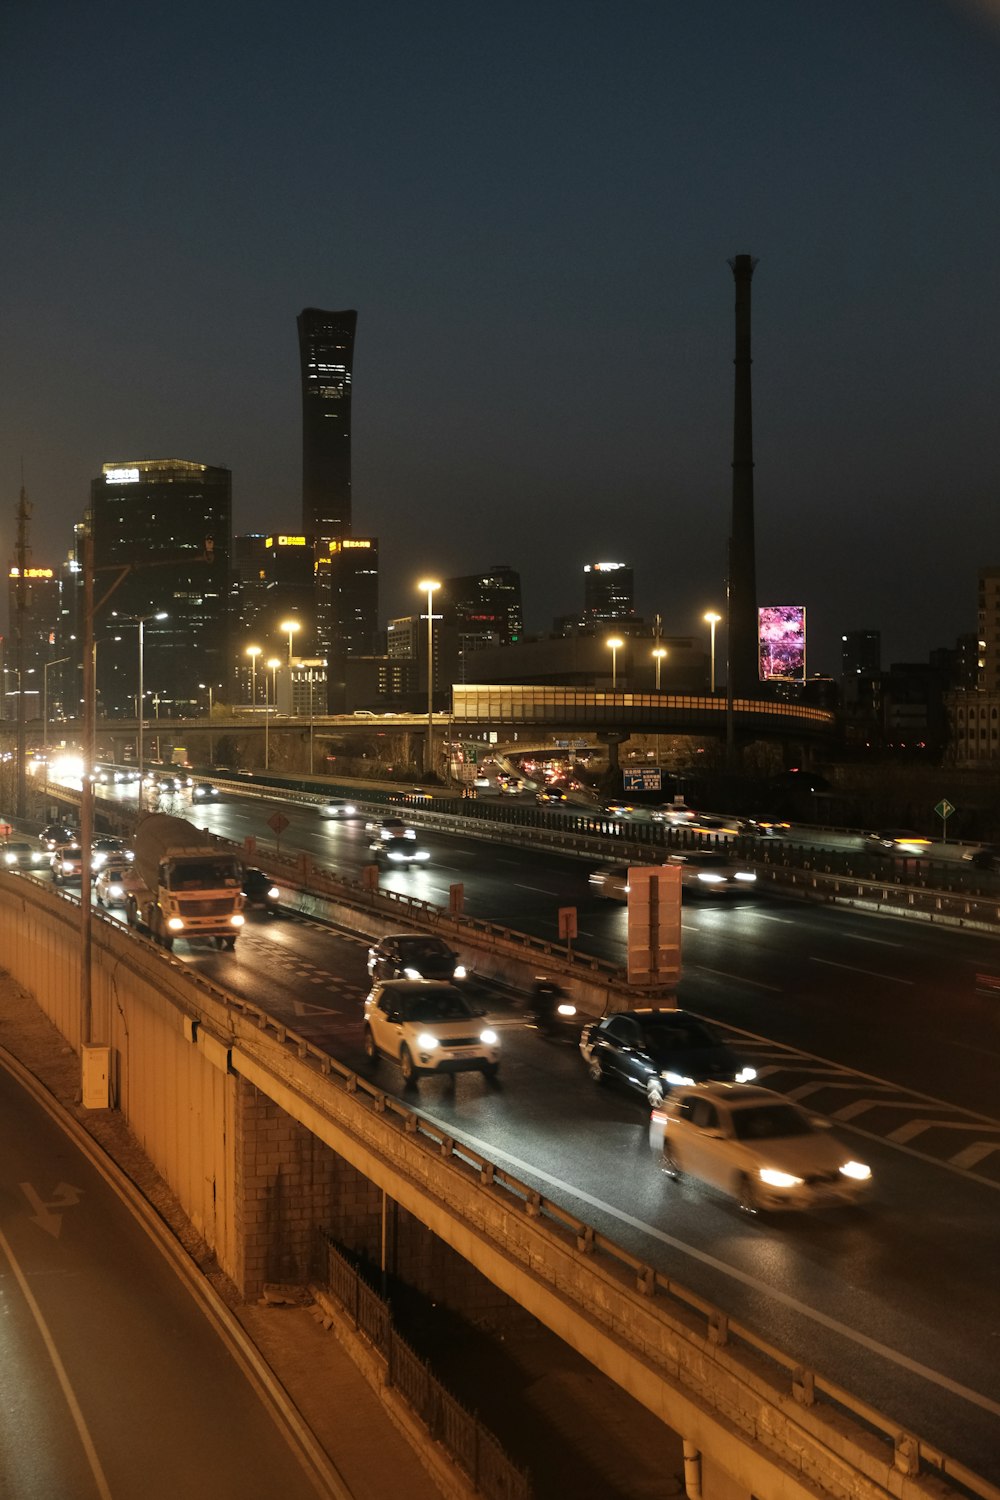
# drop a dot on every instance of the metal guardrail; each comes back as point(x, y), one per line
point(471, 1444)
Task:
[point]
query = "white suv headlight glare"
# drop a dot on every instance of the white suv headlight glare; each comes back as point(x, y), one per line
point(426, 1042)
point(460, 971)
point(412, 974)
point(677, 1078)
point(710, 878)
point(489, 1037)
point(777, 1179)
point(746, 1075)
point(857, 1170)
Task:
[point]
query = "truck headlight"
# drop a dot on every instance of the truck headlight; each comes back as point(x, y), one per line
point(175, 924)
point(237, 919)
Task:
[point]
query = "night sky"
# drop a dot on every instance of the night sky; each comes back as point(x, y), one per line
point(531, 205)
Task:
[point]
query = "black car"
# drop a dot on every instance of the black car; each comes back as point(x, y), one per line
point(260, 890)
point(551, 796)
point(400, 850)
point(987, 857)
point(412, 955)
point(58, 833)
point(654, 1050)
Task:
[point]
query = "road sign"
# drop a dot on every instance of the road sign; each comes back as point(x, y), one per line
point(567, 923)
point(944, 808)
point(649, 779)
point(277, 822)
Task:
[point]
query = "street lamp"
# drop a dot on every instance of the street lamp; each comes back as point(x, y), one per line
point(273, 663)
point(290, 627)
point(614, 642)
point(45, 712)
point(659, 652)
point(253, 652)
point(428, 586)
point(207, 686)
point(141, 622)
point(712, 619)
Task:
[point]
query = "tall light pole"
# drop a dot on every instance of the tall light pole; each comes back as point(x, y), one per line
point(207, 686)
point(290, 627)
point(141, 622)
point(253, 652)
point(614, 643)
point(428, 586)
point(712, 619)
point(45, 712)
point(659, 652)
point(273, 663)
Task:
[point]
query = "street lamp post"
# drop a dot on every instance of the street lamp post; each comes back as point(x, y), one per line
point(141, 621)
point(712, 619)
point(659, 652)
point(290, 627)
point(273, 663)
point(207, 686)
point(253, 652)
point(614, 642)
point(428, 586)
point(45, 713)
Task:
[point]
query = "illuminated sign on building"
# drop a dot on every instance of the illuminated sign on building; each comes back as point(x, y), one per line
point(603, 567)
point(285, 541)
point(781, 640)
point(32, 573)
point(121, 476)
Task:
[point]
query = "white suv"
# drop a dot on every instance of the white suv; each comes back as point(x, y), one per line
point(428, 1026)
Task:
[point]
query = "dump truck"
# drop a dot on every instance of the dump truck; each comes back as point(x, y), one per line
point(182, 884)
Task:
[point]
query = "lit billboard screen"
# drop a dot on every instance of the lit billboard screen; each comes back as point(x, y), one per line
point(781, 638)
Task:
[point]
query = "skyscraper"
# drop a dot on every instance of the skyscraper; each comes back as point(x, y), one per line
point(170, 522)
point(351, 576)
point(326, 354)
point(607, 593)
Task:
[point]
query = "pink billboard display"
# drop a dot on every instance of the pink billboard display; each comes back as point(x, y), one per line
point(781, 637)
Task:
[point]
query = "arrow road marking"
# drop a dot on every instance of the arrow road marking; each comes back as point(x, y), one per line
point(45, 1216)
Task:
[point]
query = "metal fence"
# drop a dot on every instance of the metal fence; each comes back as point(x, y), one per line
point(472, 1446)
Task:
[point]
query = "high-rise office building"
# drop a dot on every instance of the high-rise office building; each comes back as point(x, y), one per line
point(169, 522)
point(861, 653)
point(989, 630)
point(351, 569)
point(326, 355)
point(607, 593)
point(34, 601)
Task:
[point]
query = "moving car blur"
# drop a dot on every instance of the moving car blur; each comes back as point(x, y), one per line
point(428, 1027)
point(411, 955)
point(653, 1051)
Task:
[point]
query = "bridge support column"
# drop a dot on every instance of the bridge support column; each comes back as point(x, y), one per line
point(613, 738)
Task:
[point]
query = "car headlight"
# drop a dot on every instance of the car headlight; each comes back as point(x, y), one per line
point(711, 878)
point(427, 1042)
point(412, 974)
point(746, 875)
point(117, 891)
point(237, 919)
point(273, 893)
point(461, 972)
point(566, 1010)
point(175, 924)
point(422, 854)
point(10, 859)
point(777, 1179)
point(489, 1037)
point(677, 1078)
point(746, 1075)
point(348, 811)
point(857, 1170)
point(396, 855)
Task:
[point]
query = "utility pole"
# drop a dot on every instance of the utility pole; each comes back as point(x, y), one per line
point(20, 613)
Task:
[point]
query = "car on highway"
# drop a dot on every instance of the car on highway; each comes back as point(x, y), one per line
point(105, 847)
point(111, 885)
point(390, 828)
point(428, 1027)
point(402, 849)
point(260, 890)
point(629, 812)
point(718, 825)
point(204, 791)
point(653, 1051)
point(767, 828)
point(610, 882)
point(335, 807)
point(899, 841)
point(66, 863)
point(756, 1147)
point(414, 955)
point(18, 854)
point(711, 872)
point(673, 814)
point(551, 796)
point(986, 857)
point(58, 833)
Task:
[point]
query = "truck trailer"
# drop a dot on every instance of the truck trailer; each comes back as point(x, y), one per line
point(182, 884)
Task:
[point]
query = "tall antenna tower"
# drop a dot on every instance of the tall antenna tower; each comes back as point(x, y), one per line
point(20, 644)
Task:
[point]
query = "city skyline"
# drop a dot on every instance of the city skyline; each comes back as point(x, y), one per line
point(532, 214)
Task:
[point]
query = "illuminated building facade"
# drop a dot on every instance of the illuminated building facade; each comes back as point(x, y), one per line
point(608, 593)
point(34, 603)
point(351, 583)
point(170, 521)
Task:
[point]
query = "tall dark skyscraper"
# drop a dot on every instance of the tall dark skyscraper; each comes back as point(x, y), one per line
point(744, 666)
point(173, 515)
point(608, 593)
point(326, 352)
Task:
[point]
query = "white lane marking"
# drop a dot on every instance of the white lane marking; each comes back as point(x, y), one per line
point(758, 984)
point(857, 937)
point(538, 890)
point(785, 921)
point(100, 1481)
point(765, 1288)
point(862, 1106)
point(973, 1155)
point(913, 1128)
point(889, 978)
